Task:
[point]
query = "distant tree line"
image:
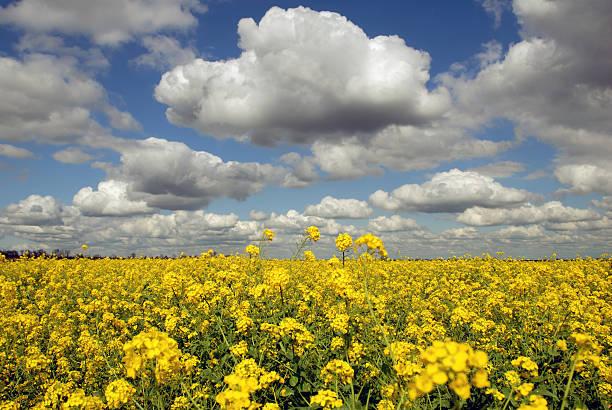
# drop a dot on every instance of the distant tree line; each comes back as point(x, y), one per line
point(67, 254)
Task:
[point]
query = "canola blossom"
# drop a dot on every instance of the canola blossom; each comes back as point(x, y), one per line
point(230, 332)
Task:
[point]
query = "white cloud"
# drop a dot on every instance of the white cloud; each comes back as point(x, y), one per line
point(495, 8)
point(170, 175)
point(452, 191)
point(501, 169)
point(400, 148)
point(331, 207)
point(553, 211)
point(15, 152)
point(111, 199)
point(164, 52)
point(520, 232)
point(48, 99)
point(605, 203)
point(604, 223)
point(555, 83)
point(393, 223)
point(584, 179)
point(34, 210)
point(303, 75)
point(32, 43)
point(257, 215)
point(121, 120)
point(304, 172)
point(72, 155)
point(108, 22)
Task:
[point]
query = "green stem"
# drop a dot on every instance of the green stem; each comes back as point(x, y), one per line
point(569, 382)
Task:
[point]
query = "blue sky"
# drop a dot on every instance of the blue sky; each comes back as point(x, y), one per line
point(163, 126)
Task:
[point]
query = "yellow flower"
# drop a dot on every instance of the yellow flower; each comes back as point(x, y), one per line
point(309, 256)
point(535, 403)
point(562, 345)
point(344, 241)
point(327, 399)
point(524, 389)
point(527, 364)
point(313, 233)
point(268, 234)
point(118, 393)
point(337, 369)
point(252, 250)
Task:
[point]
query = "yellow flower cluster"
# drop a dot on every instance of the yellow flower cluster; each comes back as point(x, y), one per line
point(72, 327)
point(451, 362)
point(312, 233)
point(327, 399)
point(268, 235)
point(309, 256)
point(344, 241)
point(297, 333)
point(373, 243)
point(148, 346)
point(118, 393)
point(527, 364)
point(337, 370)
point(588, 351)
point(252, 250)
point(246, 379)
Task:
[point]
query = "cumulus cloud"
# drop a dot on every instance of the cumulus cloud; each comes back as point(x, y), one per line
point(45, 222)
point(393, 223)
point(12, 151)
point(331, 207)
point(72, 155)
point(111, 199)
point(452, 191)
point(49, 99)
point(32, 211)
point(400, 148)
point(303, 75)
point(554, 84)
point(170, 175)
point(553, 211)
point(164, 52)
point(584, 179)
point(107, 23)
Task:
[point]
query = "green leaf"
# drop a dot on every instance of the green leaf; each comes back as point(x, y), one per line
point(293, 381)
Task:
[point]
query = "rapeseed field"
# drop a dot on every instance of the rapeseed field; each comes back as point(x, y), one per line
point(359, 331)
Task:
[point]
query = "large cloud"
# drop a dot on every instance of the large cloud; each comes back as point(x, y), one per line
point(111, 199)
point(400, 148)
point(331, 207)
point(34, 210)
point(303, 75)
point(108, 22)
point(555, 84)
point(48, 99)
point(170, 175)
point(452, 191)
point(553, 211)
point(584, 179)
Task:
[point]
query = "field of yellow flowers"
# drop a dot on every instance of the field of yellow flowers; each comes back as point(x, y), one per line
point(357, 331)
